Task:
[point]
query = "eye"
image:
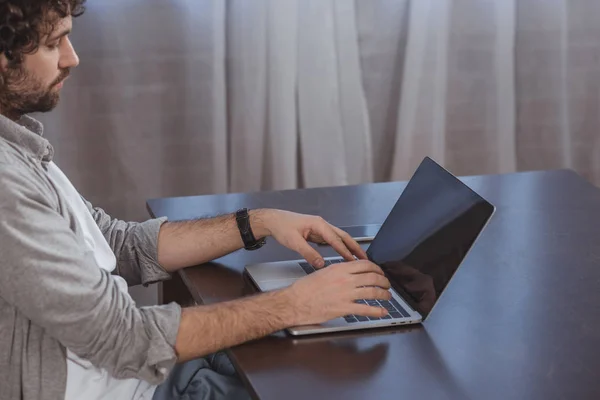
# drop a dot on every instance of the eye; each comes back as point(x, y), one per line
point(54, 44)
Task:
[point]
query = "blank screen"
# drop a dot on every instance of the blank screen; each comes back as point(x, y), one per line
point(428, 233)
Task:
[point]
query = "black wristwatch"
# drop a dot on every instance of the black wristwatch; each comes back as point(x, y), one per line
point(243, 222)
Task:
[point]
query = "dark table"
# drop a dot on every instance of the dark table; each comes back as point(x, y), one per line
point(520, 320)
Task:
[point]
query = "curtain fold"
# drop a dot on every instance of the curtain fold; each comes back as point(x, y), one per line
point(421, 126)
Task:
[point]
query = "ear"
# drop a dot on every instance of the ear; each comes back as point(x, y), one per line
point(3, 62)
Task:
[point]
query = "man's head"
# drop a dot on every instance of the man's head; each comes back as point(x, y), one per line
point(35, 53)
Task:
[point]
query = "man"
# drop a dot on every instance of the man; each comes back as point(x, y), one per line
point(68, 328)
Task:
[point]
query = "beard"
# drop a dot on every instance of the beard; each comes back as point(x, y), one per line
point(21, 93)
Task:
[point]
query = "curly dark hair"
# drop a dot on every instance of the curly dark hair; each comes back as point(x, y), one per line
point(24, 22)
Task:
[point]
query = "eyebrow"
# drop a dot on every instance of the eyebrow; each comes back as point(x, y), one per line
point(64, 33)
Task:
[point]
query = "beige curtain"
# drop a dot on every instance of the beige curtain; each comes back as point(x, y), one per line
point(207, 96)
point(190, 97)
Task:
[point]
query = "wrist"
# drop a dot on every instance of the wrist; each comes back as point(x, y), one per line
point(289, 311)
point(259, 222)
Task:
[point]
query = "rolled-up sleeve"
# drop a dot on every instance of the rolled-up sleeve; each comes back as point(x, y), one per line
point(135, 245)
point(51, 277)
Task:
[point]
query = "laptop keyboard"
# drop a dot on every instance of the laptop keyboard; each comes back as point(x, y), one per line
point(395, 310)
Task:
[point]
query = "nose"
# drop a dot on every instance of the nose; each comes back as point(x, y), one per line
point(68, 58)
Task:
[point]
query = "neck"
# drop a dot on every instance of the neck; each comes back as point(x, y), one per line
point(13, 116)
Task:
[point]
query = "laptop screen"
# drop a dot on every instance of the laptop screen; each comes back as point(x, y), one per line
point(428, 233)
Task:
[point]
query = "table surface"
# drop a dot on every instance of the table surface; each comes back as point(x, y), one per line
point(520, 319)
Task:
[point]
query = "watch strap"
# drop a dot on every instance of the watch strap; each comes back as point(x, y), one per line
point(242, 218)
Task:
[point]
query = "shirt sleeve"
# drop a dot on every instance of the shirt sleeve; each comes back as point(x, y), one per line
point(135, 245)
point(50, 276)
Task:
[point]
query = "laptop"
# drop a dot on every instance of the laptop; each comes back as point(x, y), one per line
point(419, 247)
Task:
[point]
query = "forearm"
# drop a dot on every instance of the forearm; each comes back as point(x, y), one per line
point(186, 243)
point(206, 329)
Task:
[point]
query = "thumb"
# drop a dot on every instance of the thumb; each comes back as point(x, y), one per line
point(309, 254)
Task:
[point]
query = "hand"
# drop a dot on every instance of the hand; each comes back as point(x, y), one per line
point(294, 231)
point(331, 293)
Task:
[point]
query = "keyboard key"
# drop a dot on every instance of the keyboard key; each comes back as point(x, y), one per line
point(374, 319)
point(309, 269)
point(361, 301)
point(388, 306)
point(395, 315)
point(350, 318)
point(361, 318)
point(399, 307)
point(372, 303)
point(387, 317)
point(337, 261)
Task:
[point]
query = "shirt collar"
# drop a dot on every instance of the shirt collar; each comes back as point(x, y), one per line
point(27, 133)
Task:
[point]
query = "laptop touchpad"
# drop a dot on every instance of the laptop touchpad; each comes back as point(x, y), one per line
point(265, 286)
point(277, 271)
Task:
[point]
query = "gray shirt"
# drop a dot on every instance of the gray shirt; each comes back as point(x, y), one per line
point(53, 296)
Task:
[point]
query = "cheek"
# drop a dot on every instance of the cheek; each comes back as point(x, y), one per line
point(43, 65)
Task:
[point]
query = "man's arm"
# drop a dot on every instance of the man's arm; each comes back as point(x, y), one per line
point(187, 243)
point(50, 276)
point(324, 295)
point(206, 329)
point(148, 251)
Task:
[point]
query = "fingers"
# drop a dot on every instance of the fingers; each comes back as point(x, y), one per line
point(351, 244)
point(341, 241)
point(363, 266)
point(335, 241)
point(368, 311)
point(309, 254)
point(372, 279)
point(372, 293)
